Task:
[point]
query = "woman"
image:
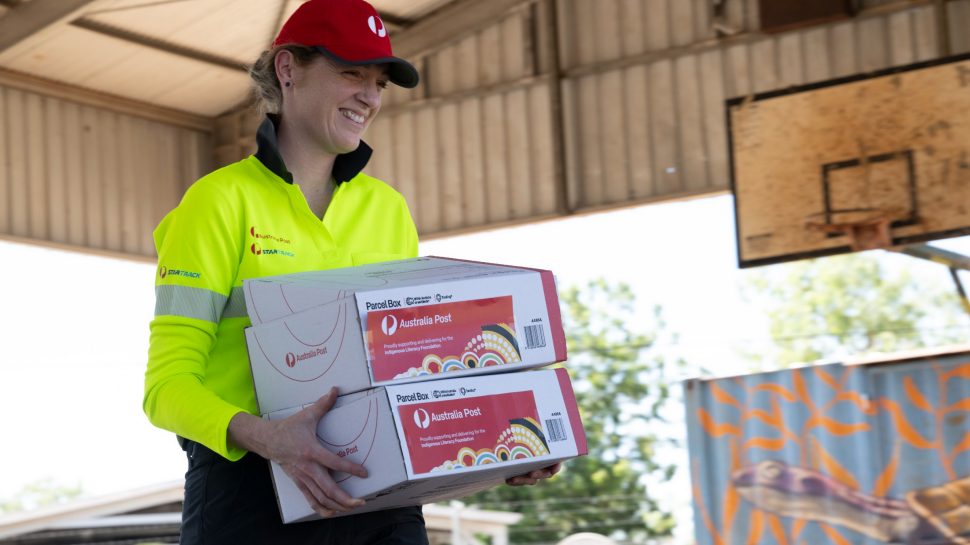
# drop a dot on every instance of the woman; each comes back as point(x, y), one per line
point(300, 203)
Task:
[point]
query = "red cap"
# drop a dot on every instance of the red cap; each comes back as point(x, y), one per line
point(348, 31)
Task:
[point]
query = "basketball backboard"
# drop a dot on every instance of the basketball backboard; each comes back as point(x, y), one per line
point(888, 150)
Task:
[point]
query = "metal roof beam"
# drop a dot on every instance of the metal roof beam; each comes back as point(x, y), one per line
point(449, 23)
point(27, 18)
point(159, 44)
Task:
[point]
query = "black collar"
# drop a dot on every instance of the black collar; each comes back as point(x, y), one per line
point(345, 167)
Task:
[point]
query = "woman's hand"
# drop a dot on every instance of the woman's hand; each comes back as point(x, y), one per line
point(534, 476)
point(292, 442)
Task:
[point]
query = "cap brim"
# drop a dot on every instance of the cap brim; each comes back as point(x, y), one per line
point(400, 71)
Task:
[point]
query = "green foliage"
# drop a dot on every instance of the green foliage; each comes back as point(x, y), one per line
point(852, 305)
point(622, 391)
point(39, 494)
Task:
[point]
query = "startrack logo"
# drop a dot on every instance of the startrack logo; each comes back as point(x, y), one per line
point(164, 271)
point(256, 249)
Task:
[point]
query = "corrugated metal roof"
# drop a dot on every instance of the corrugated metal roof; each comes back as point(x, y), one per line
point(188, 55)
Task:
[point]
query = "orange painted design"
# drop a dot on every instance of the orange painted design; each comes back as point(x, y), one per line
point(699, 502)
point(905, 429)
point(845, 376)
point(776, 409)
point(776, 416)
point(758, 414)
point(757, 527)
point(764, 443)
point(835, 427)
point(888, 475)
point(861, 402)
point(731, 501)
point(796, 528)
point(775, 389)
point(713, 428)
point(724, 397)
point(799, 383)
point(962, 371)
point(915, 396)
point(777, 530)
point(827, 378)
point(834, 535)
point(832, 466)
point(962, 405)
point(963, 445)
point(735, 454)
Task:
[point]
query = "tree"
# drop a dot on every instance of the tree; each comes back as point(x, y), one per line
point(850, 305)
point(39, 494)
point(622, 391)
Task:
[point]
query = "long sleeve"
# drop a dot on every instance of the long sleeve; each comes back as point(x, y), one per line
point(199, 246)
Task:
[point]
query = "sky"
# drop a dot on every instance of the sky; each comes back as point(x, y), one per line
point(74, 330)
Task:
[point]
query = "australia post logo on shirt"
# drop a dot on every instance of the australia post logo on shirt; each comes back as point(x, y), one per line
point(263, 243)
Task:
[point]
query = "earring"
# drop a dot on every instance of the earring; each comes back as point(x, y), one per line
point(287, 84)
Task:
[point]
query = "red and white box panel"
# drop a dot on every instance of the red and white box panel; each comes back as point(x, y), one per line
point(397, 322)
point(432, 441)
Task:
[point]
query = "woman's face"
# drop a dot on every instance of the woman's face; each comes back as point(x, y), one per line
point(331, 104)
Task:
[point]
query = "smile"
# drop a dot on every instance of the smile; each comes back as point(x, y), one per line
point(357, 118)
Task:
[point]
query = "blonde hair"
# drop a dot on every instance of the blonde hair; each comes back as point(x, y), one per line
point(266, 86)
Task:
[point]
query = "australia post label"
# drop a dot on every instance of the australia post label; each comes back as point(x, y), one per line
point(432, 339)
point(468, 432)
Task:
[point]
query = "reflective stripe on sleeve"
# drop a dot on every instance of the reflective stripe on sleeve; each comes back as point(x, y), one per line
point(236, 307)
point(198, 303)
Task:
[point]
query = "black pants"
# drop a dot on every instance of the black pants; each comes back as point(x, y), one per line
point(234, 503)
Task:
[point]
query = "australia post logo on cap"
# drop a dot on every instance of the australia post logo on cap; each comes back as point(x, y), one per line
point(377, 26)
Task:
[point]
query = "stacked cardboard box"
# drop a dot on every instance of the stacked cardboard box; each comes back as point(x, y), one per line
point(421, 351)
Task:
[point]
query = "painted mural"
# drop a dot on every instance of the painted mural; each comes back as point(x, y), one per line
point(833, 454)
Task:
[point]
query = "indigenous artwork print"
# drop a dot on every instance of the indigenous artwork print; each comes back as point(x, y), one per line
point(833, 454)
point(457, 433)
point(442, 337)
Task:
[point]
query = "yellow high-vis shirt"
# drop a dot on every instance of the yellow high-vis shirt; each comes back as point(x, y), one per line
point(242, 221)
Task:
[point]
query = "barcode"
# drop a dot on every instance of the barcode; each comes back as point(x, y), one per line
point(557, 432)
point(534, 337)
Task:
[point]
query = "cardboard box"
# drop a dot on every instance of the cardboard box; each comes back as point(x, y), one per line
point(396, 322)
point(432, 441)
